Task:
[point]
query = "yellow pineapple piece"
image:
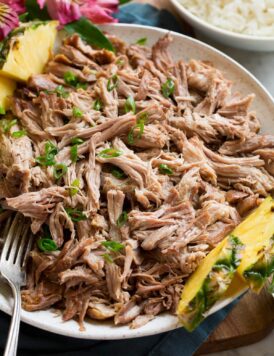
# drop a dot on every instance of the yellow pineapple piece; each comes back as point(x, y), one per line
point(7, 87)
point(30, 51)
point(257, 235)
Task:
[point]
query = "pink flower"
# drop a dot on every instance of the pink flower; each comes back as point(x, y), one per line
point(98, 11)
point(16, 5)
point(8, 20)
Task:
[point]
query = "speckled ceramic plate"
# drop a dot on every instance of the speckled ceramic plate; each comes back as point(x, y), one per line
point(186, 48)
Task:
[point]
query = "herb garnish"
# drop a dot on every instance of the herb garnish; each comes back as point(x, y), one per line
point(75, 214)
point(168, 88)
point(77, 141)
point(113, 246)
point(112, 82)
point(97, 105)
point(59, 170)
point(130, 105)
point(142, 41)
point(18, 134)
point(121, 221)
point(47, 245)
point(48, 158)
point(141, 121)
point(118, 173)
point(77, 112)
point(165, 169)
point(75, 184)
point(6, 124)
point(110, 153)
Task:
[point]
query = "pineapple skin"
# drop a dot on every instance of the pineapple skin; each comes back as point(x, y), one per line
point(214, 285)
point(30, 52)
point(7, 87)
point(257, 275)
point(257, 264)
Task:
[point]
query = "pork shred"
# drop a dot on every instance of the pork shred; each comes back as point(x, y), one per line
point(154, 180)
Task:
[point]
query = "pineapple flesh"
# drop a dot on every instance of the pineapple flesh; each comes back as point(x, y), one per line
point(29, 50)
point(243, 259)
point(258, 237)
point(209, 282)
point(7, 87)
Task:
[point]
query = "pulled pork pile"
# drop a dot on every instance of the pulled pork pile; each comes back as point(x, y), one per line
point(135, 166)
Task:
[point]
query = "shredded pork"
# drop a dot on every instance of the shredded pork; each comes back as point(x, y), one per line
point(134, 185)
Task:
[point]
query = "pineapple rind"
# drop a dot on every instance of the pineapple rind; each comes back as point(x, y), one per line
point(214, 285)
point(257, 275)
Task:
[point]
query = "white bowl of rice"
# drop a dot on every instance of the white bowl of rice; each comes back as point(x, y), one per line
point(245, 24)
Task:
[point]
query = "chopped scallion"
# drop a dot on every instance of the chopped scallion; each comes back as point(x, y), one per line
point(112, 82)
point(110, 153)
point(75, 214)
point(113, 246)
point(142, 41)
point(77, 112)
point(165, 169)
point(47, 245)
point(75, 184)
point(168, 88)
point(18, 134)
point(122, 219)
point(59, 170)
point(130, 105)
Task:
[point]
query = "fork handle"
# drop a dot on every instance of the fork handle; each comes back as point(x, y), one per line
point(12, 342)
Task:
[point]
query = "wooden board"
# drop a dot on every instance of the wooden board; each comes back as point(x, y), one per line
point(250, 321)
point(253, 317)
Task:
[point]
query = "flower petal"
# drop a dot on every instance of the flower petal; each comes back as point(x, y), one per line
point(99, 11)
point(64, 11)
point(16, 5)
point(8, 20)
point(41, 3)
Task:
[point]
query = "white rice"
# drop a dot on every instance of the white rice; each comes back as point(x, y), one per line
point(251, 17)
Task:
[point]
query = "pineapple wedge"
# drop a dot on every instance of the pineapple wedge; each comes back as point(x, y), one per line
point(29, 51)
point(209, 282)
point(245, 258)
point(258, 237)
point(7, 87)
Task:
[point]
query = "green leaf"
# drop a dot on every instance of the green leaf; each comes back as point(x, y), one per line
point(35, 12)
point(2, 110)
point(48, 158)
point(18, 134)
point(118, 173)
point(24, 17)
point(165, 169)
point(113, 246)
point(112, 82)
point(97, 105)
point(76, 184)
point(77, 141)
point(6, 124)
point(110, 153)
point(59, 170)
point(168, 88)
point(122, 219)
point(122, 2)
point(107, 257)
point(77, 112)
point(47, 245)
point(130, 105)
point(142, 41)
point(75, 214)
point(74, 153)
point(89, 33)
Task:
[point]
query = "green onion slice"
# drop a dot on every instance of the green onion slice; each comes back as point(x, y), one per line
point(142, 41)
point(113, 246)
point(77, 141)
point(165, 169)
point(18, 134)
point(70, 78)
point(46, 245)
point(112, 82)
point(168, 88)
point(110, 153)
point(75, 190)
point(6, 124)
point(118, 173)
point(75, 214)
point(59, 170)
point(107, 257)
point(77, 112)
point(130, 105)
point(74, 153)
point(121, 221)
point(48, 158)
point(97, 105)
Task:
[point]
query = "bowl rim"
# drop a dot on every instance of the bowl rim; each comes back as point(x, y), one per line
point(73, 332)
point(223, 32)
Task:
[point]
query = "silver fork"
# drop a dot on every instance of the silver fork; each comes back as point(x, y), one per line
point(16, 247)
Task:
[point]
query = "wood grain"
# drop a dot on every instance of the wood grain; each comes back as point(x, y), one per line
point(253, 317)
